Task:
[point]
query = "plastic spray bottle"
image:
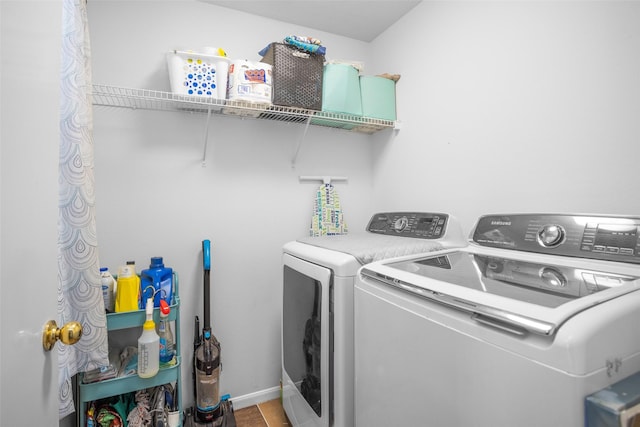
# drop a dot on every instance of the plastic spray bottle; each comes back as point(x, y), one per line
point(148, 346)
point(165, 334)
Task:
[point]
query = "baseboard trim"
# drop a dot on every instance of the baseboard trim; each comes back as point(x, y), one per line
point(256, 397)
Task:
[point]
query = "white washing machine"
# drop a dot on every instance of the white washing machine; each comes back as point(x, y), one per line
point(515, 329)
point(317, 319)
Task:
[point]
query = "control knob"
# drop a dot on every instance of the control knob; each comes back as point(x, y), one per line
point(400, 224)
point(551, 235)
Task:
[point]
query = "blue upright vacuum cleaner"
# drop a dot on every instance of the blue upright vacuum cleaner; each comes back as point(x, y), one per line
point(210, 410)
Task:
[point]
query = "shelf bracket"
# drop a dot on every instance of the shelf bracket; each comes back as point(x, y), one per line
point(206, 138)
point(299, 144)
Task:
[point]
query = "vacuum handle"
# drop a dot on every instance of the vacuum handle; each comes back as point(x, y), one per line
point(206, 254)
point(206, 261)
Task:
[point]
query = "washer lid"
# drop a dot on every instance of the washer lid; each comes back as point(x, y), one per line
point(513, 291)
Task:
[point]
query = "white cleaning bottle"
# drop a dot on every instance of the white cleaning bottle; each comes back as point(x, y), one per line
point(108, 284)
point(148, 346)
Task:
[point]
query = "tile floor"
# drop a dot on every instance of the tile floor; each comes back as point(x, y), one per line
point(266, 414)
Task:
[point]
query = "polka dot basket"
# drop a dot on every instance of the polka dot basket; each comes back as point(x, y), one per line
point(198, 74)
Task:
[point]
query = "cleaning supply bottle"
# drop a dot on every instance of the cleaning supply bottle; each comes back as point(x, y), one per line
point(157, 282)
point(148, 346)
point(136, 276)
point(107, 282)
point(165, 334)
point(128, 288)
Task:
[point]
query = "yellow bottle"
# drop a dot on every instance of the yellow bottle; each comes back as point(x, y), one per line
point(127, 289)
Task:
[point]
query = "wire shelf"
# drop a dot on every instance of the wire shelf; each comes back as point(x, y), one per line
point(144, 99)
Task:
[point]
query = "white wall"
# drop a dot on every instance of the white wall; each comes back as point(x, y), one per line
point(513, 106)
point(154, 198)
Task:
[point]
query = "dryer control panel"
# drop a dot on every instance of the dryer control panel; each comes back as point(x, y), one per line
point(419, 225)
point(585, 236)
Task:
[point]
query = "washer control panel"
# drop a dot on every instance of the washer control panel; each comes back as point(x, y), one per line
point(419, 225)
point(596, 237)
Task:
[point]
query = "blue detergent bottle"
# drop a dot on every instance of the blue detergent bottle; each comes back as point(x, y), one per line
point(157, 282)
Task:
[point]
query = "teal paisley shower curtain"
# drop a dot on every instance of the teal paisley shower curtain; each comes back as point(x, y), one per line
point(79, 292)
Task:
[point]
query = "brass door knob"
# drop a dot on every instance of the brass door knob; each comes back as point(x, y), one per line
point(69, 334)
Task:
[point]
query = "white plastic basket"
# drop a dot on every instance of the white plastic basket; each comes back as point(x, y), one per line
point(198, 74)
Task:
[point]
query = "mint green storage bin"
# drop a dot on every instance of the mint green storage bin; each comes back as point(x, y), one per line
point(378, 97)
point(341, 89)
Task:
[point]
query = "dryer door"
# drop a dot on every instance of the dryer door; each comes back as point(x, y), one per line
point(306, 341)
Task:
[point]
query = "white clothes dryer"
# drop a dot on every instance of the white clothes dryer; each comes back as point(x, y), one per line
point(515, 329)
point(317, 320)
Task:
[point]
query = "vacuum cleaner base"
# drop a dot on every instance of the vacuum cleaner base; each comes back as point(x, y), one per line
point(228, 418)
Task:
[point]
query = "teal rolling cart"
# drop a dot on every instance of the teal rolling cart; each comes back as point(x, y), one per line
point(113, 387)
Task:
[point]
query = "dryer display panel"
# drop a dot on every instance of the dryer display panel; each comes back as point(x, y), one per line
point(419, 225)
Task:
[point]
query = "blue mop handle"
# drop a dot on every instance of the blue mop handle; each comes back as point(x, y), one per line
point(206, 254)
